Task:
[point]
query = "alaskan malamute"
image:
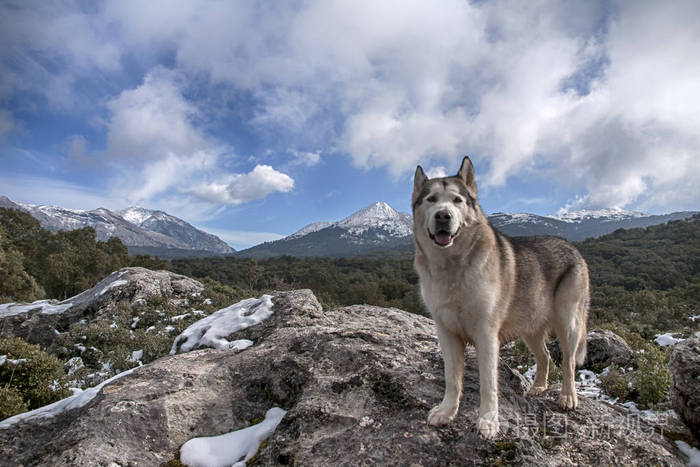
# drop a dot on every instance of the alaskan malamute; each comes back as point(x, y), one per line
point(484, 288)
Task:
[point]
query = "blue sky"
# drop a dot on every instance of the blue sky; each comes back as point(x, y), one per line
point(253, 119)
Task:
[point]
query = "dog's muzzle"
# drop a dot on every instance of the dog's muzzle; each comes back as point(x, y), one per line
point(443, 235)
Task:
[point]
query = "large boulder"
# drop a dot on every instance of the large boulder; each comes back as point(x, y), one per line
point(357, 384)
point(684, 367)
point(604, 348)
point(39, 322)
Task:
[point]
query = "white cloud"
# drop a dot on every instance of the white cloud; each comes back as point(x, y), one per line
point(600, 97)
point(306, 158)
point(436, 172)
point(153, 120)
point(242, 188)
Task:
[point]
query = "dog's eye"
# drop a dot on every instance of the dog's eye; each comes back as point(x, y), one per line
point(432, 199)
point(457, 199)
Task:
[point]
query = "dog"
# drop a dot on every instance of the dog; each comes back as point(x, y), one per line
point(484, 289)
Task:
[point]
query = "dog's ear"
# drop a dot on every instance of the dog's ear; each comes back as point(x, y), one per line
point(466, 173)
point(419, 179)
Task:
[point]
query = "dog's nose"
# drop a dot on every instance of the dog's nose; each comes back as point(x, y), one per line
point(442, 216)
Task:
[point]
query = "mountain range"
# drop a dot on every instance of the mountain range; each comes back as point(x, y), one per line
point(141, 230)
point(378, 228)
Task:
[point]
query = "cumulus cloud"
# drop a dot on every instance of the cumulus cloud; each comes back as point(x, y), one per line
point(307, 158)
point(153, 120)
point(242, 188)
point(601, 97)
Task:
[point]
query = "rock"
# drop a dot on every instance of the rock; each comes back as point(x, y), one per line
point(357, 383)
point(604, 348)
point(39, 322)
point(684, 367)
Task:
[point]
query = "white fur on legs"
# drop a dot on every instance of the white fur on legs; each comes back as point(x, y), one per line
point(452, 348)
point(536, 344)
point(487, 355)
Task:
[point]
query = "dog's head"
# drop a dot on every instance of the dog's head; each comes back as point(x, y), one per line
point(444, 207)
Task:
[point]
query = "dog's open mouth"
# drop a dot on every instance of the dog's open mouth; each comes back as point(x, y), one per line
point(442, 237)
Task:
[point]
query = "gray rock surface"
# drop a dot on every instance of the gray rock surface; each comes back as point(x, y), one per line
point(684, 367)
point(604, 348)
point(37, 326)
point(357, 383)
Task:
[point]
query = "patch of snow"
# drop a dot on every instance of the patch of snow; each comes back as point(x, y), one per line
point(664, 340)
point(135, 322)
point(47, 307)
point(151, 328)
point(3, 359)
point(198, 313)
point(212, 330)
point(179, 317)
point(315, 227)
point(113, 285)
point(692, 453)
point(695, 318)
point(136, 357)
point(207, 301)
point(230, 449)
point(72, 402)
point(169, 328)
point(73, 365)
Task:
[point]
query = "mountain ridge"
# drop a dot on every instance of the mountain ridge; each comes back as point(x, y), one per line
point(153, 230)
point(380, 228)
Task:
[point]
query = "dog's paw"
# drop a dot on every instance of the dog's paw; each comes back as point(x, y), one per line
point(537, 390)
point(441, 415)
point(488, 426)
point(568, 401)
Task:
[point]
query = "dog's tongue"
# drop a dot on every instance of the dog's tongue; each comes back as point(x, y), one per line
point(443, 238)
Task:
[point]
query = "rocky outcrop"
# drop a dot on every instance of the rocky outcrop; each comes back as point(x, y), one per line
point(39, 322)
point(604, 348)
point(684, 367)
point(357, 384)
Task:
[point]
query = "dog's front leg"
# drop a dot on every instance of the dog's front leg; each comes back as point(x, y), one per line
point(487, 356)
point(452, 348)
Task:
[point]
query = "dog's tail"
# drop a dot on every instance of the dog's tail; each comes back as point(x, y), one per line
point(582, 347)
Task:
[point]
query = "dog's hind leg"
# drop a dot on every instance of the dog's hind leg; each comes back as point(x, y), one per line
point(537, 345)
point(571, 304)
point(452, 348)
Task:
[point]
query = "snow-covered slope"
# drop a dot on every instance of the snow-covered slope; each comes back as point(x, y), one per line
point(374, 227)
point(135, 227)
point(603, 215)
point(173, 227)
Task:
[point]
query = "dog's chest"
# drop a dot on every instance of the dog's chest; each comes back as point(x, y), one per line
point(457, 298)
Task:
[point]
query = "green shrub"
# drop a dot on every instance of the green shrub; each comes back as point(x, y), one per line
point(37, 376)
point(651, 378)
point(555, 374)
point(615, 383)
point(11, 402)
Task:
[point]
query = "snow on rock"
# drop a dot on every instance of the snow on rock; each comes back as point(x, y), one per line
point(212, 330)
point(72, 402)
point(233, 448)
point(47, 307)
point(113, 285)
point(692, 453)
point(664, 340)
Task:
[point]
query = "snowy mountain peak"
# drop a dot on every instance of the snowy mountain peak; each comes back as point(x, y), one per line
point(135, 214)
point(376, 213)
